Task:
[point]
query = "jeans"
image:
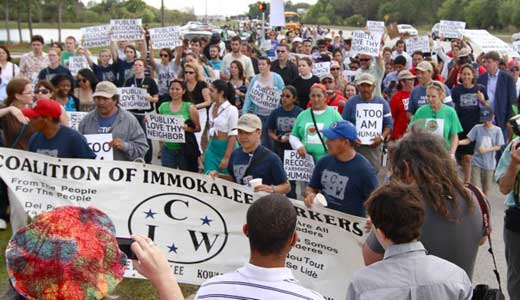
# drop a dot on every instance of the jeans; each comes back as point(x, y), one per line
point(175, 159)
point(148, 155)
point(265, 139)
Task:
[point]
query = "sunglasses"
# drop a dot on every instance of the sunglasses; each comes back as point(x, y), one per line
point(280, 51)
point(189, 72)
point(334, 69)
point(286, 95)
point(82, 80)
point(164, 55)
point(364, 59)
point(41, 91)
point(436, 85)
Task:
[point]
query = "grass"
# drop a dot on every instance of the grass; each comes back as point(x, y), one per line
point(128, 289)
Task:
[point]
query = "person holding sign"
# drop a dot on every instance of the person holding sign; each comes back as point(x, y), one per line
point(263, 95)
point(375, 68)
point(129, 140)
point(104, 70)
point(124, 67)
point(254, 161)
point(166, 71)
point(344, 177)
point(223, 117)
point(439, 118)
point(174, 155)
point(372, 117)
point(305, 136)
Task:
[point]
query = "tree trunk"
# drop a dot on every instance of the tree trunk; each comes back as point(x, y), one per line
point(29, 18)
point(19, 21)
point(60, 12)
point(6, 13)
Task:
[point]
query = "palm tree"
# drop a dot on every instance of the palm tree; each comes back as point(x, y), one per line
point(19, 20)
point(60, 13)
point(29, 18)
point(6, 13)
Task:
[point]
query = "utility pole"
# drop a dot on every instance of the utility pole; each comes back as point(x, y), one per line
point(162, 13)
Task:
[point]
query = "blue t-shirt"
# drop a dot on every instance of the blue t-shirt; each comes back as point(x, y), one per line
point(215, 64)
point(67, 143)
point(269, 167)
point(48, 73)
point(418, 98)
point(105, 73)
point(71, 104)
point(105, 124)
point(345, 185)
point(124, 71)
point(282, 121)
point(349, 112)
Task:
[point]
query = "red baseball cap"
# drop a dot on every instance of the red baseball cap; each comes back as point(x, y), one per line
point(43, 108)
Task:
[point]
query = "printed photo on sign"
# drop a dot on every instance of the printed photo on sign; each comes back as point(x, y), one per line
point(369, 122)
point(165, 128)
point(166, 37)
point(435, 126)
point(133, 98)
point(365, 43)
point(297, 167)
point(321, 69)
point(126, 30)
point(100, 145)
point(96, 36)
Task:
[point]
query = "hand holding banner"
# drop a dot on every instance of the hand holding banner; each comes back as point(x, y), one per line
point(96, 36)
point(100, 145)
point(365, 43)
point(369, 122)
point(133, 98)
point(166, 37)
point(165, 128)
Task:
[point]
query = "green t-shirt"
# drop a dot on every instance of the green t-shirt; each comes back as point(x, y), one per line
point(304, 129)
point(443, 122)
point(65, 58)
point(184, 112)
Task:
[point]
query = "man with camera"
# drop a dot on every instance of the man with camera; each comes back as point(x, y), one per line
point(508, 178)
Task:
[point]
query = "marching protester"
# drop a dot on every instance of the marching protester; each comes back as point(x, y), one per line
point(166, 71)
point(399, 103)
point(87, 82)
point(334, 97)
point(124, 67)
point(33, 62)
point(223, 118)
point(400, 50)
point(304, 81)
point(373, 66)
point(468, 98)
point(397, 215)
point(128, 138)
point(335, 71)
point(451, 212)
point(283, 66)
point(254, 161)
point(70, 51)
point(54, 68)
point(178, 155)
point(52, 138)
point(391, 80)
point(265, 80)
point(235, 54)
point(305, 136)
point(104, 71)
point(366, 84)
point(345, 177)
point(8, 70)
point(62, 92)
point(240, 83)
point(350, 91)
point(214, 57)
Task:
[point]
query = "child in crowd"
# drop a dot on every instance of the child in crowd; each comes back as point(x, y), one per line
point(488, 139)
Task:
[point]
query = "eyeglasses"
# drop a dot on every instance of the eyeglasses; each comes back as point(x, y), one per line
point(364, 59)
point(189, 72)
point(334, 69)
point(41, 91)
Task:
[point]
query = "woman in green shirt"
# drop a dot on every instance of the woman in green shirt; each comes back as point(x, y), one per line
point(172, 154)
point(305, 137)
point(439, 118)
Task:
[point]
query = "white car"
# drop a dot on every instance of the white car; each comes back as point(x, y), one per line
point(407, 29)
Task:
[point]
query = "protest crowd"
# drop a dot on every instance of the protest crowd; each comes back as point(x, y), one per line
point(316, 115)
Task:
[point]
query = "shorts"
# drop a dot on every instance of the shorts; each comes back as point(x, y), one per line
point(466, 149)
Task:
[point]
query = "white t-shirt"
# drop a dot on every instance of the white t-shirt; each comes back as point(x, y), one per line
point(11, 70)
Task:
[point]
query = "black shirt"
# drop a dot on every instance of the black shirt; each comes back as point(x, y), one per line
point(303, 86)
point(145, 83)
point(289, 73)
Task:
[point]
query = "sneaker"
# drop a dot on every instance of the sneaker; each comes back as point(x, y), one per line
point(3, 225)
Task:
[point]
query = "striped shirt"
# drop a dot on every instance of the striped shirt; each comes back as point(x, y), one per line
point(256, 283)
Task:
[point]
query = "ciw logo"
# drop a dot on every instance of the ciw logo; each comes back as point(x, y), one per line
point(200, 230)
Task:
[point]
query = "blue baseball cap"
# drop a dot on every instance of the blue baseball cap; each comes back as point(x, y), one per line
point(341, 129)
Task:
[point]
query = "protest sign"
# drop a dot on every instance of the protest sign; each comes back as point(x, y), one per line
point(276, 13)
point(96, 36)
point(266, 98)
point(451, 29)
point(100, 144)
point(298, 168)
point(77, 63)
point(166, 37)
point(483, 41)
point(165, 128)
point(197, 221)
point(75, 118)
point(126, 30)
point(376, 27)
point(133, 98)
point(369, 122)
point(418, 43)
point(321, 69)
point(516, 46)
point(365, 43)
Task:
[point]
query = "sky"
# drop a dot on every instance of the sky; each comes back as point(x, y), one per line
point(215, 7)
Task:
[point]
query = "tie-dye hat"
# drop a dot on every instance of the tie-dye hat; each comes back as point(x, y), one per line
point(68, 253)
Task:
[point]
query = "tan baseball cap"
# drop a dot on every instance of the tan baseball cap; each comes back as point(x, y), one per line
point(405, 74)
point(249, 123)
point(424, 66)
point(105, 89)
point(366, 78)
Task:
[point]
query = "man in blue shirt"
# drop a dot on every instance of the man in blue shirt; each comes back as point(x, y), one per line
point(345, 177)
point(254, 161)
point(52, 138)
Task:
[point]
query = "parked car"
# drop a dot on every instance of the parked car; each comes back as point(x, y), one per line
point(407, 29)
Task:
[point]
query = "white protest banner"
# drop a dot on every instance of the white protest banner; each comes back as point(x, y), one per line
point(483, 41)
point(77, 63)
point(266, 98)
point(516, 46)
point(165, 128)
point(96, 36)
point(365, 43)
point(418, 43)
point(75, 118)
point(166, 37)
point(276, 13)
point(376, 27)
point(195, 220)
point(298, 168)
point(321, 69)
point(369, 122)
point(126, 29)
point(451, 29)
point(133, 98)
point(100, 144)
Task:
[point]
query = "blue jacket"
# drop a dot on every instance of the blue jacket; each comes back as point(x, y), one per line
point(505, 97)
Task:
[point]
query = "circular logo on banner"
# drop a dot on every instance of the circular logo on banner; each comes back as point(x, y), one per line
point(188, 229)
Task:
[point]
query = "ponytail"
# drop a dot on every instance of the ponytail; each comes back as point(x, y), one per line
point(225, 87)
